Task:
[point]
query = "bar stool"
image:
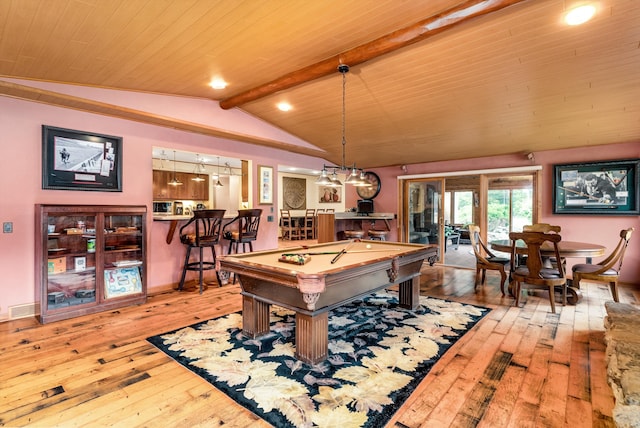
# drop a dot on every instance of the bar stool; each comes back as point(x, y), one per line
point(353, 234)
point(375, 234)
point(246, 232)
point(208, 224)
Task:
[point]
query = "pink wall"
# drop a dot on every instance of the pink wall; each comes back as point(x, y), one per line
point(586, 228)
point(20, 151)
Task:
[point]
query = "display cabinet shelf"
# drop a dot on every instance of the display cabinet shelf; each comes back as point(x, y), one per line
point(89, 258)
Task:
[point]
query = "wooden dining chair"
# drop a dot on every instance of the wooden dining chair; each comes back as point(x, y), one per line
point(534, 274)
point(308, 226)
point(289, 228)
point(541, 227)
point(608, 270)
point(546, 228)
point(485, 259)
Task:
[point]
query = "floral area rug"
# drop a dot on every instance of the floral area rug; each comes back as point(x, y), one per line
point(378, 354)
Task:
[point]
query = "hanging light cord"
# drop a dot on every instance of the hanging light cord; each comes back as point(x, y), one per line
point(344, 69)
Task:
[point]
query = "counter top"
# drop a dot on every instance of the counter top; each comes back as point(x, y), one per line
point(372, 216)
point(164, 217)
point(174, 219)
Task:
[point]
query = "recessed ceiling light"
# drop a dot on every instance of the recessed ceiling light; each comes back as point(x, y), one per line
point(218, 83)
point(580, 15)
point(284, 106)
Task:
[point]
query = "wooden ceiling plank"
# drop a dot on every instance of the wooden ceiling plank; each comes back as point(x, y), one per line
point(383, 45)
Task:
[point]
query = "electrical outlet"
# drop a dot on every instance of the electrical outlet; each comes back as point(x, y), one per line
point(269, 218)
point(7, 227)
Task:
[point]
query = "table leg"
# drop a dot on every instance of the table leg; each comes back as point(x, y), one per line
point(410, 293)
point(255, 317)
point(312, 337)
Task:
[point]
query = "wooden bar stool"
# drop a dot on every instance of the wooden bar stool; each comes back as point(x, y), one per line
point(208, 224)
point(248, 222)
point(380, 235)
point(353, 234)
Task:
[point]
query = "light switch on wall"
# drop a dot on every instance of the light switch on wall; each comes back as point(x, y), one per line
point(7, 227)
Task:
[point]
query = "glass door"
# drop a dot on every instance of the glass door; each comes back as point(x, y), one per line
point(423, 214)
point(509, 205)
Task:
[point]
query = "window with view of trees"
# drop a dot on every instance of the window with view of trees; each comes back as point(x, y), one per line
point(508, 210)
point(458, 207)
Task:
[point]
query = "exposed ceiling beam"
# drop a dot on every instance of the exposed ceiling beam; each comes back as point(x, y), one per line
point(383, 45)
point(28, 93)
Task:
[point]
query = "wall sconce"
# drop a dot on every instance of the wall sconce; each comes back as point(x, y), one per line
point(531, 157)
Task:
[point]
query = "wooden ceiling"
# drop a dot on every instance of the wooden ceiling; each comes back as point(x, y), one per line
point(515, 80)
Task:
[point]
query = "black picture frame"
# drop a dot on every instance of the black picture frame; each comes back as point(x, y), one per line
point(599, 187)
point(79, 160)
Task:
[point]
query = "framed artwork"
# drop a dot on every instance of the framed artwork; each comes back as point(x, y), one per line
point(265, 185)
point(605, 188)
point(78, 160)
point(294, 193)
point(329, 194)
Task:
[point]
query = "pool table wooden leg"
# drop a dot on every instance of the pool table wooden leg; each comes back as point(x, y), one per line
point(410, 293)
point(255, 317)
point(312, 337)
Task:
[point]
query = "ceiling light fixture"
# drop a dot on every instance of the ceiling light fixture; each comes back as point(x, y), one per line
point(218, 83)
point(218, 184)
point(174, 181)
point(355, 174)
point(580, 15)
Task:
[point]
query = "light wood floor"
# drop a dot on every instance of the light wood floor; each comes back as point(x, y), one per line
point(519, 367)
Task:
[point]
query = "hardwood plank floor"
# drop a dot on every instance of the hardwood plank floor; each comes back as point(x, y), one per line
point(519, 367)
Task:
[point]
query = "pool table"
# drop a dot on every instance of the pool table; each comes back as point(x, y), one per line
point(312, 289)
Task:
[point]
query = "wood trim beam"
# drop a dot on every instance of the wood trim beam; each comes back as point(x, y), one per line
point(383, 45)
point(28, 93)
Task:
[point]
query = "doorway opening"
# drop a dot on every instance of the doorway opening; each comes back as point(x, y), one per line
point(439, 210)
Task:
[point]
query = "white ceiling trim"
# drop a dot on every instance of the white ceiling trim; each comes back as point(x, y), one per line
point(515, 169)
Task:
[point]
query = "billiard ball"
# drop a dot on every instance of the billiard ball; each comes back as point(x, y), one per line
point(368, 246)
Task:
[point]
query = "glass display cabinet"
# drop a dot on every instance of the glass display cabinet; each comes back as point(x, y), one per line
point(89, 258)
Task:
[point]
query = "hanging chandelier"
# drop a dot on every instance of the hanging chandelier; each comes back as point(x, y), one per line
point(329, 173)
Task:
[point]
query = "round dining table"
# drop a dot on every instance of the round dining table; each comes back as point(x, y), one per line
point(567, 249)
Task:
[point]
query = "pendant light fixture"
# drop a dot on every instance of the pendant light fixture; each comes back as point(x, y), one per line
point(174, 181)
point(329, 173)
point(218, 184)
point(198, 168)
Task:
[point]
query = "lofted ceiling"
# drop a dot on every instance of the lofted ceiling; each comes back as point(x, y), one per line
point(513, 80)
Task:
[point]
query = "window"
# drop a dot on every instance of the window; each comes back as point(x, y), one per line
point(458, 207)
point(509, 205)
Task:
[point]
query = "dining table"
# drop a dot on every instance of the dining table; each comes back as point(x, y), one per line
point(566, 249)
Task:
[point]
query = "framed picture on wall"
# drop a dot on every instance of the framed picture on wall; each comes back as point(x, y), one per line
point(605, 188)
point(265, 185)
point(78, 160)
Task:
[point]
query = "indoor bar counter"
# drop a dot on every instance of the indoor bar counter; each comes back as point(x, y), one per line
point(331, 226)
point(173, 221)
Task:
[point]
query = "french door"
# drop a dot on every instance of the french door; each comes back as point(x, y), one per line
point(499, 202)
